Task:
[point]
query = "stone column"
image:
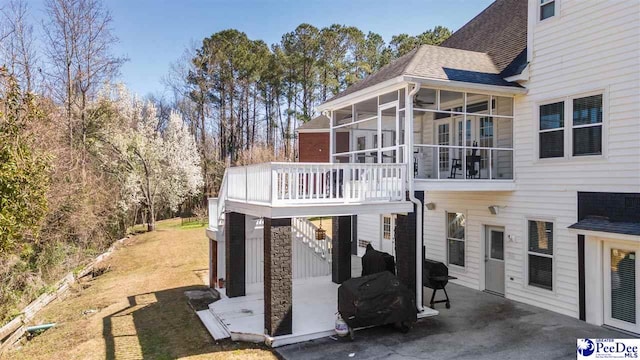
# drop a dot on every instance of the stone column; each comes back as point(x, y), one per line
point(405, 232)
point(235, 254)
point(341, 248)
point(278, 286)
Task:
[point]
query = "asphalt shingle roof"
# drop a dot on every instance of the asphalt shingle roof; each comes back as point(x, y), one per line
point(317, 123)
point(604, 225)
point(487, 49)
point(500, 31)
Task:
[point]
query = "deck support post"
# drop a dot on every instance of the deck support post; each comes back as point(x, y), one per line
point(235, 252)
point(405, 235)
point(213, 263)
point(278, 283)
point(341, 248)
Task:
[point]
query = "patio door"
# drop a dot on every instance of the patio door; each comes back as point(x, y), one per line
point(494, 260)
point(621, 286)
point(480, 132)
point(443, 138)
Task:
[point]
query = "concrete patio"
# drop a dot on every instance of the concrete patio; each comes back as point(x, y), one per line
point(478, 326)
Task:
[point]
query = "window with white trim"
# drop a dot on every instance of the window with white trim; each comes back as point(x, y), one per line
point(547, 9)
point(551, 130)
point(587, 125)
point(386, 227)
point(584, 126)
point(540, 254)
point(456, 223)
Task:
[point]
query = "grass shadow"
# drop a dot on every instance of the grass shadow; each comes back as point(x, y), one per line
point(161, 325)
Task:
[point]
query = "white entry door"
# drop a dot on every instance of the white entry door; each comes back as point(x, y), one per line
point(388, 240)
point(621, 286)
point(494, 260)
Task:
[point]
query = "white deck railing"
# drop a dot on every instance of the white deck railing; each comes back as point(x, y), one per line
point(281, 184)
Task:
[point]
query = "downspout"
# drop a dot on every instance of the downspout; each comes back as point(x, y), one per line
point(412, 198)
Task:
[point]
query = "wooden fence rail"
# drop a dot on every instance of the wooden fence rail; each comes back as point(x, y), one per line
point(12, 331)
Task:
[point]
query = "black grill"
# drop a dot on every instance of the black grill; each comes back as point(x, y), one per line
point(435, 275)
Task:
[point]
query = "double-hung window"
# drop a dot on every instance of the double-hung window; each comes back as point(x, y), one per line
point(551, 130)
point(547, 9)
point(456, 239)
point(584, 126)
point(587, 125)
point(540, 254)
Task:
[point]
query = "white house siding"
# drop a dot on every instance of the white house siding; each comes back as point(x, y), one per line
point(588, 46)
point(369, 230)
point(515, 208)
point(306, 263)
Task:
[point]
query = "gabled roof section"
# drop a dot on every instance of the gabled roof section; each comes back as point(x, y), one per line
point(436, 62)
point(500, 31)
point(317, 123)
point(392, 70)
point(490, 47)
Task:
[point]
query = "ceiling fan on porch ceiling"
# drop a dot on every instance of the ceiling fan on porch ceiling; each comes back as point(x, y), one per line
point(417, 102)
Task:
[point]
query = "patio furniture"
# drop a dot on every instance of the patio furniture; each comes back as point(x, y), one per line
point(435, 275)
point(472, 160)
point(456, 164)
point(376, 299)
point(375, 261)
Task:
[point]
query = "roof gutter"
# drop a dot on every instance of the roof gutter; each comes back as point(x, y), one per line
point(363, 94)
point(416, 202)
point(496, 89)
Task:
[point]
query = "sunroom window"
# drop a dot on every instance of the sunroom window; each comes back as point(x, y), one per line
point(547, 9)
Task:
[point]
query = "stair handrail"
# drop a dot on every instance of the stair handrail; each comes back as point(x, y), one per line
point(322, 245)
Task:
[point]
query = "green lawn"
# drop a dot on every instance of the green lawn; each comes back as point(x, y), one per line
point(137, 310)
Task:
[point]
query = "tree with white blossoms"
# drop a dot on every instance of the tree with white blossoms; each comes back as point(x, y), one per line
point(155, 165)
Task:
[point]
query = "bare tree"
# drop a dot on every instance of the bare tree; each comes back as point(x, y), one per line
point(17, 49)
point(80, 40)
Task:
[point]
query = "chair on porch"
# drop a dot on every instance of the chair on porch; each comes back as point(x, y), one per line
point(472, 160)
point(456, 164)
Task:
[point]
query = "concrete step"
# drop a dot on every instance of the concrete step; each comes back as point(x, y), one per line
point(213, 325)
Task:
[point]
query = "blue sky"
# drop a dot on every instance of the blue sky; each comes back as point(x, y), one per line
point(154, 33)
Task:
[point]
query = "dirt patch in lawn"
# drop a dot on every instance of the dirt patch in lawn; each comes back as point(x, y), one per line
point(138, 309)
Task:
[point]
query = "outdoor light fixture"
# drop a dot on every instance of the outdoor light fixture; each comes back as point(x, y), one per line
point(493, 209)
point(320, 232)
point(430, 206)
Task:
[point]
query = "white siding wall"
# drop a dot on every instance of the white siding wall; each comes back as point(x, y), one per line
point(588, 46)
point(306, 262)
point(369, 230)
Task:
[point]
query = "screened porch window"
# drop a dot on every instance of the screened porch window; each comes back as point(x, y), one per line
point(540, 254)
point(456, 239)
point(462, 135)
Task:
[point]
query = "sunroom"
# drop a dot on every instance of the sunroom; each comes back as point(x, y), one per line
point(450, 139)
